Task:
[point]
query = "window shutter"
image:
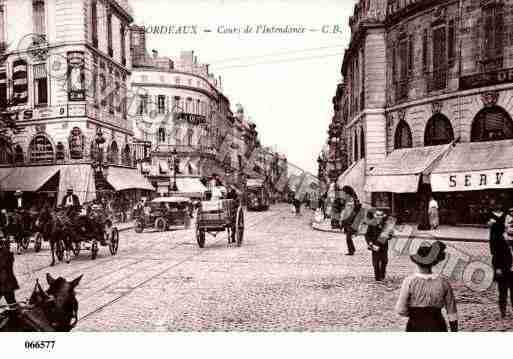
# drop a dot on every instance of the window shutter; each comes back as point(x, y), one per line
point(425, 57)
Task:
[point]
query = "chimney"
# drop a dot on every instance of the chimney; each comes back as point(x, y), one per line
point(155, 53)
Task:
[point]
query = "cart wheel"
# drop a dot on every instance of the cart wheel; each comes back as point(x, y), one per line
point(200, 237)
point(77, 247)
point(239, 226)
point(59, 249)
point(161, 224)
point(38, 241)
point(114, 241)
point(139, 226)
point(94, 249)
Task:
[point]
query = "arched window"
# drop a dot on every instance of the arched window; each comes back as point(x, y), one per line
point(6, 156)
point(362, 144)
point(161, 138)
point(491, 124)
point(41, 150)
point(19, 157)
point(113, 153)
point(59, 152)
point(438, 131)
point(402, 137)
point(126, 156)
point(76, 143)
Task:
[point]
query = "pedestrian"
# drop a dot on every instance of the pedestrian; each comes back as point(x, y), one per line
point(434, 218)
point(500, 249)
point(376, 244)
point(424, 294)
point(8, 282)
point(351, 207)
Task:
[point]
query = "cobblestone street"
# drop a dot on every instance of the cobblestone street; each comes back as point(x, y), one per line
point(285, 276)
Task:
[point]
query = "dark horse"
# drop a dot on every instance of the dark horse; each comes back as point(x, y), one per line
point(57, 228)
point(55, 309)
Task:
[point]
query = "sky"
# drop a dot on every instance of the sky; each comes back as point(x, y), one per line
point(285, 82)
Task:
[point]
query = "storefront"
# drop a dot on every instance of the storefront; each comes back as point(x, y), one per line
point(470, 177)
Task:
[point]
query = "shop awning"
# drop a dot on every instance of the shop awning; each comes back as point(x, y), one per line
point(400, 172)
point(80, 178)
point(121, 178)
point(190, 187)
point(475, 166)
point(354, 177)
point(26, 179)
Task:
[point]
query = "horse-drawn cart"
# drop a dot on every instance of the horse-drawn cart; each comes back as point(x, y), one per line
point(219, 216)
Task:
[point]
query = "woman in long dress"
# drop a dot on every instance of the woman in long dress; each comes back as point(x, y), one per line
point(424, 294)
point(434, 218)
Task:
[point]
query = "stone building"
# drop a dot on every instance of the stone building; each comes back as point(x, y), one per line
point(429, 87)
point(63, 78)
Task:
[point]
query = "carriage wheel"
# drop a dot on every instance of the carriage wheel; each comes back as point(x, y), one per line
point(94, 249)
point(161, 224)
point(139, 226)
point(38, 242)
point(239, 227)
point(77, 247)
point(200, 237)
point(114, 241)
point(59, 249)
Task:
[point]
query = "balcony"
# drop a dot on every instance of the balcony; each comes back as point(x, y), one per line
point(196, 150)
point(438, 80)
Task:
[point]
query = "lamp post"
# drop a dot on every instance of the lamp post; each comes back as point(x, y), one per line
point(175, 162)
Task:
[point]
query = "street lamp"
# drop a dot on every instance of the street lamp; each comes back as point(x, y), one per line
point(175, 162)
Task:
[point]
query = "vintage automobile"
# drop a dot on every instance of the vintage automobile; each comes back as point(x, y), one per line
point(258, 197)
point(165, 212)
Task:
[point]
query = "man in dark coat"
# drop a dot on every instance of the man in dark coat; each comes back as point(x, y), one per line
point(71, 200)
point(378, 246)
point(502, 258)
point(8, 282)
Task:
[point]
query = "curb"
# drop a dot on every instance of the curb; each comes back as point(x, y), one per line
point(419, 236)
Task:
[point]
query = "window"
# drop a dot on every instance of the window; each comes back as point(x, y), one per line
point(112, 91)
point(113, 155)
point(127, 161)
point(109, 33)
point(438, 131)
point(103, 87)
point(6, 156)
point(117, 93)
point(362, 144)
point(2, 27)
point(122, 37)
point(425, 57)
point(41, 150)
point(188, 105)
point(94, 22)
point(451, 42)
point(95, 80)
point(402, 86)
point(355, 147)
point(161, 104)
point(439, 78)
point(38, 13)
point(18, 155)
point(492, 124)
point(19, 80)
point(493, 21)
point(394, 64)
point(40, 85)
point(189, 137)
point(59, 152)
point(161, 138)
point(3, 88)
point(402, 138)
point(411, 53)
point(143, 105)
point(76, 143)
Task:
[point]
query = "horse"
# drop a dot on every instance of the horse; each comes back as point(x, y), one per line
point(53, 310)
point(60, 234)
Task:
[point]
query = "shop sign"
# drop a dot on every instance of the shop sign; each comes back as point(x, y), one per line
point(49, 112)
point(486, 79)
point(472, 181)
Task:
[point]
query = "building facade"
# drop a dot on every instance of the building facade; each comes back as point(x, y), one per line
point(63, 80)
point(441, 105)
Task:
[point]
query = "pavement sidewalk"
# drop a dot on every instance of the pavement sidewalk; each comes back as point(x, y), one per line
point(125, 226)
point(443, 233)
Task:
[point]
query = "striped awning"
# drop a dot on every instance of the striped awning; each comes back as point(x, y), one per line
point(26, 179)
point(121, 178)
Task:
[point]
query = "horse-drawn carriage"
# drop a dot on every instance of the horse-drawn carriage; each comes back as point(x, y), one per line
point(219, 216)
point(23, 226)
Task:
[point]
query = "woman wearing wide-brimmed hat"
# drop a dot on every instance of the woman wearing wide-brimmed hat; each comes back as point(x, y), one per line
point(424, 294)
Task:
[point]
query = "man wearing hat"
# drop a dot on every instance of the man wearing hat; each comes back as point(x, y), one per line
point(8, 282)
point(377, 245)
point(71, 200)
